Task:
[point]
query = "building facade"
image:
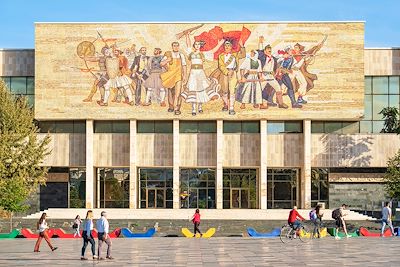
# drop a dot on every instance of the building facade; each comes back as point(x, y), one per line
point(240, 163)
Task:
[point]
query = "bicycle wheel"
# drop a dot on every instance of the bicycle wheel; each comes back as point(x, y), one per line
point(305, 233)
point(286, 234)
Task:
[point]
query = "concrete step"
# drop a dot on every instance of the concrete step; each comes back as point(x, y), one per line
point(186, 214)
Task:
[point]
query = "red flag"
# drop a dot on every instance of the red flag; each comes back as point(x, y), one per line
point(213, 36)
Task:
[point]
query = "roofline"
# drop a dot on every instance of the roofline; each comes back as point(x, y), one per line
point(200, 21)
point(16, 49)
point(382, 48)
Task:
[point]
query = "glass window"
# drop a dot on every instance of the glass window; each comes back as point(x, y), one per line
point(64, 127)
point(377, 126)
point(197, 188)
point(18, 85)
point(207, 126)
point(368, 85)
point(333, 127)
point(317, 127)
point(31, 100)
point(365, 126)
point(250, 127)
point(47, 126)
point(163, 127)
point(6, 81)
point(102, 127)
point(282, 188)
point(379, 102)
point(77, 188)
point(380, 85)
point(120, 126)
point(275, 127)
point(319, 186)
point(394, 101)
point(188, 127)
point(114, 187)
point(79, 127)
point(145, 126)
point(156, 188)
point(368, 107)
point(394, 85)
point(30, 85)
point(350, 127)
point(293, 127)
point(240, 189)
point(232, 127)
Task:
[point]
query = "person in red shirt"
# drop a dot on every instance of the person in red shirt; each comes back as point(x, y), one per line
point(196, 222)
point(294, 217)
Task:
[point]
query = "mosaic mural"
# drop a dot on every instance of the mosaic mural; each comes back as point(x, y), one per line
point(199, 71)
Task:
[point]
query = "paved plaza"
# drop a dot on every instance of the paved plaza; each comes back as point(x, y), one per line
point(218, 251)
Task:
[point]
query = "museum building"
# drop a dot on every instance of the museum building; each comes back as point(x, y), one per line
point(234, 163)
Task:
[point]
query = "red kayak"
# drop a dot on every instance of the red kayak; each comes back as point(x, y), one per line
point(365, 232)
point(27, 233)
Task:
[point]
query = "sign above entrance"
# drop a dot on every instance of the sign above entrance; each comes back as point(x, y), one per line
point(199, 70)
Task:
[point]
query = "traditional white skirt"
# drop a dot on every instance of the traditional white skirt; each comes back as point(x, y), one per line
point(200, 89)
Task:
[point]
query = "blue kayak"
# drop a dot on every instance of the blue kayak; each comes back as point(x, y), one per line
point(253, 233)
point(128, 234)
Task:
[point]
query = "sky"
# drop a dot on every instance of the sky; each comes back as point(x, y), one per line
point(382, 19)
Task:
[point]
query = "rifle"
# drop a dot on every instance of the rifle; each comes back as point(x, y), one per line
point(179, 35)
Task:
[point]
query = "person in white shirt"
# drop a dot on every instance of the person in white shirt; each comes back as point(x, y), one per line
point(43, 229)
point(87, 235)
point(387, 218)
point(77, 225)
point(103, 230)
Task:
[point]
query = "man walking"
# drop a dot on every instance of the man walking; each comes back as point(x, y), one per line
point(338, 216)
point(387, 218)
point(103, 229)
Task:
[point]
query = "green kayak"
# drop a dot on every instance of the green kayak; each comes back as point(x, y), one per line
point(332, 232)
point(13, 234)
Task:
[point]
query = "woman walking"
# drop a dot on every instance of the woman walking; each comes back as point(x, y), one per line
point(87, 236)
point(43, 233)
point(317, 220)
point(77, 226)
point(196, 222)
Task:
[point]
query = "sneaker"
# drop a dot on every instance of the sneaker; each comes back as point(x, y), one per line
point(54, 248)
point(84, 259)
point(109, 258)
point(95, 257)
point(36, 251)
point(347, 236)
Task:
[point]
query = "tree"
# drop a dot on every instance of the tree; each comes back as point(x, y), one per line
point(21, 152)
point(392, 176)
point(392, 121)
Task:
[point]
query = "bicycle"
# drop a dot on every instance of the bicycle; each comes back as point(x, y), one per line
point(288, 233)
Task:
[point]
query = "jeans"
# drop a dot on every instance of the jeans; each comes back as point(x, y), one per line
point(389, 223)
point(317, 227)
point(86, 240)
point(296, 224)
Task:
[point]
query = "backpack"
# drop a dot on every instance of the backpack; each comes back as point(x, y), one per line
point(312, 215)
point(336, 214)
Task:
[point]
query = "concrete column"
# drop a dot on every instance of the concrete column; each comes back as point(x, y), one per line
point(133, 183)
point(176, 163)
point(90, 179)
point(305, 182)
point(263, 164)
point(220, 160)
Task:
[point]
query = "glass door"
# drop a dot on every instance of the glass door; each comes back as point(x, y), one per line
point(155, 198)
point(151, 198)
point(240, 198)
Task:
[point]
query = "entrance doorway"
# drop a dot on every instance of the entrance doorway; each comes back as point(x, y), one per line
point(240, 198)
point(155, 198)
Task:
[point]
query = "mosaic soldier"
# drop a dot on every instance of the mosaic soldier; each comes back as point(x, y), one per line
point(123, 80)
point(282, 76)
point(270, 85)
point(112, 67)
point(249, 90)
point(102, 74)
point(225, 73)
point(140, 72)
point(200, 88)
point(174, 78)
point(153, 83)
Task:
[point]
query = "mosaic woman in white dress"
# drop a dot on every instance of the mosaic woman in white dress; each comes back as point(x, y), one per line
point(199, 88)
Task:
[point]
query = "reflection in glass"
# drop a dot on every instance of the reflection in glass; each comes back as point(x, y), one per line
point(155, 188)
point(114, 187)
point(197, 188)
point(77, 187)
point(282, 188)
point(240, 190)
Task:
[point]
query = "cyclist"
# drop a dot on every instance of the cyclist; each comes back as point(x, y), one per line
point(295, 218)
